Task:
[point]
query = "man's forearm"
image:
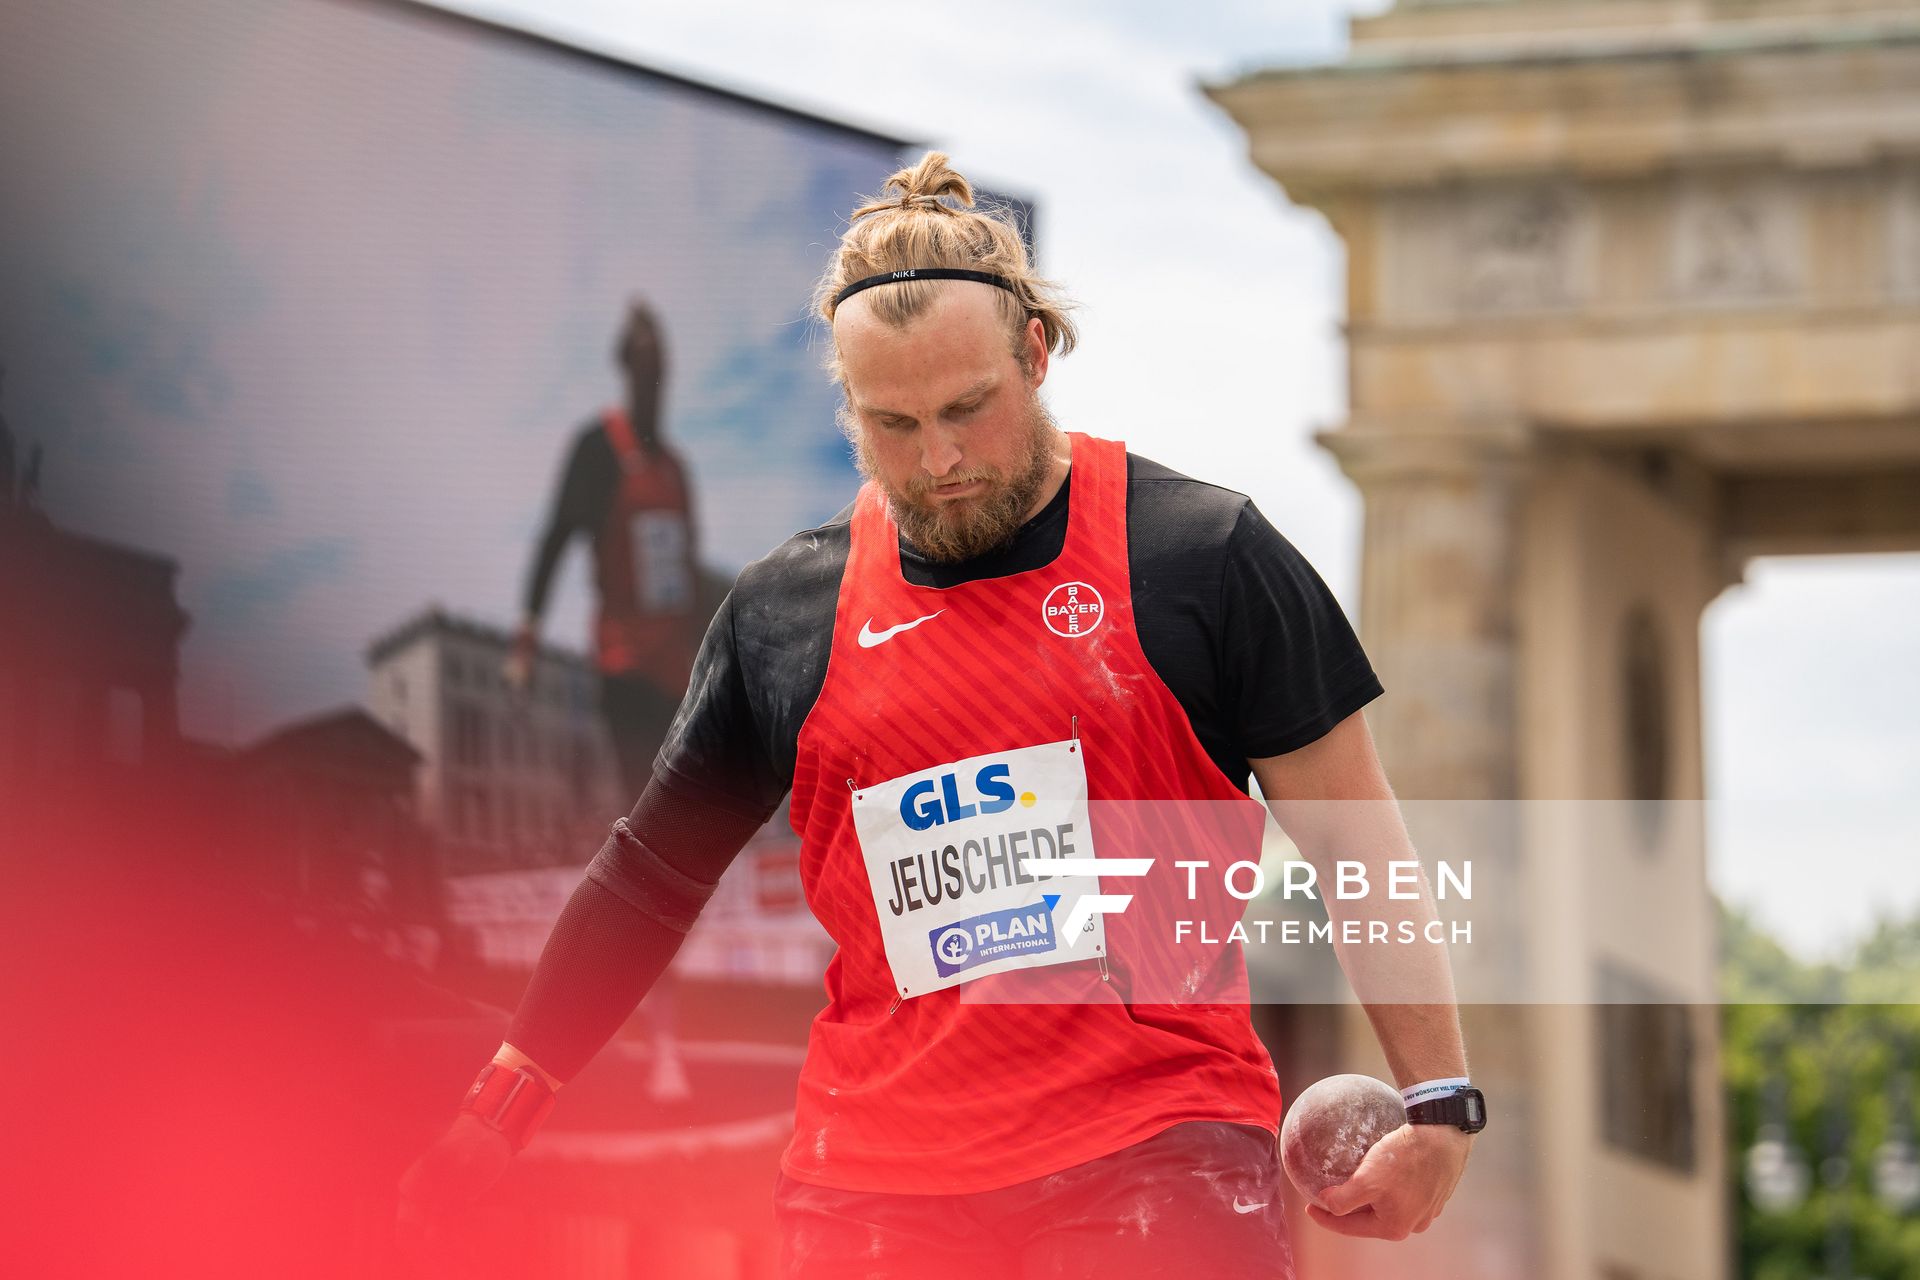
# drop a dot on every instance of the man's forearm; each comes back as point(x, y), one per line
point(1405, 987)
point(507, 1055)
point(1422, 1041)
point(1407, 991)
point(540, 573)
point(624, 922)
point(601, 959)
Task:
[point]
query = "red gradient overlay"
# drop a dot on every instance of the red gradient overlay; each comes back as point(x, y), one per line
point(209, 1082)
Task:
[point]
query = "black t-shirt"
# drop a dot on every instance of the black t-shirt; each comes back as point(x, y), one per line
point(1229, 614)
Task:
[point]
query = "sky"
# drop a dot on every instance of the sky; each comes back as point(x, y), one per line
point(1211, 320)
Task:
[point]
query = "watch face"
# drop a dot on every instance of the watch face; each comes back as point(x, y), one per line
point(1466, 1110)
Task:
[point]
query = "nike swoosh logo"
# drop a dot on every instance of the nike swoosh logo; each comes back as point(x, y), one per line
point(869, 637)
point(1248, 1208)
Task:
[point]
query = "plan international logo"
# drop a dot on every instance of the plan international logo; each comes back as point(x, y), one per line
point(1017, 931)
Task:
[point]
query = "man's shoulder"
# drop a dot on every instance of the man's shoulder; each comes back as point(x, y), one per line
point(590, 439)
point(1178, 508)
point(808, 560)
point(1144, 473)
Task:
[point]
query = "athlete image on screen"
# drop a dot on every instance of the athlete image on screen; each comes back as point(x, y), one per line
point(626, 491)
point(1012, 634)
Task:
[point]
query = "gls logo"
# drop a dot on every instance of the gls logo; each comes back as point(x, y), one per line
point(920, 808)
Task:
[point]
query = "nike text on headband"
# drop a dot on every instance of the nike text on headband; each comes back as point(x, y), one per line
point(925, 273)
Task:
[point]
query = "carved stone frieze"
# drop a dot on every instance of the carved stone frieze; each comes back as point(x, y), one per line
point(1517, 247)
point(1736, 238)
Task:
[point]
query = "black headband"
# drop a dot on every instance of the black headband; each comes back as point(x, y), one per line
point(924, 273)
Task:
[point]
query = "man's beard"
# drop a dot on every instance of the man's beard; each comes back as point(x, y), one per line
point(960, 529)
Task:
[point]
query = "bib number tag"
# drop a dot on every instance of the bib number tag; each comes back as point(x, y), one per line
point(947, 849)
point(662, 583)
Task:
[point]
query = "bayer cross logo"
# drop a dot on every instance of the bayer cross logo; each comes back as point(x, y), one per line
point(954, 947)
point(1072, 609)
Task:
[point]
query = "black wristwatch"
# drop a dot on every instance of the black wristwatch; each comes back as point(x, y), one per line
point(1465, 1110)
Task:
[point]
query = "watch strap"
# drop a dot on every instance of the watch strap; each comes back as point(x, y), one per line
point(1465, 1110)
point(511, 1099)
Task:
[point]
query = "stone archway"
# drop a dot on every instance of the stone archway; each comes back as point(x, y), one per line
point(1633, 296)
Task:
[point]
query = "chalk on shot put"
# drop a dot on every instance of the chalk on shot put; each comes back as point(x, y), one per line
point(1331, 1127)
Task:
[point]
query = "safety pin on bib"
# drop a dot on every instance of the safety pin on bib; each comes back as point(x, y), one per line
point(854, 791)
point(1074, 729)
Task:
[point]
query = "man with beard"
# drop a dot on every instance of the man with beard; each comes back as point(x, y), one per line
point(1008, 625)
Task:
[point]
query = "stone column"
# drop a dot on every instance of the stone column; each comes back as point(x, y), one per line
point(1439, 597)
point(1437, 603)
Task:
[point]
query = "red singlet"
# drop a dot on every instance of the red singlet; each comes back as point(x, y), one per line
point(645, 566)
point(950, 1095)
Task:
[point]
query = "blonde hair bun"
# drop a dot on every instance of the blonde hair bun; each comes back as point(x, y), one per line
point(925, 217)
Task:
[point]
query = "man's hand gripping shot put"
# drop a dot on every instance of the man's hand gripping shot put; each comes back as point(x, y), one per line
point(1018, 649)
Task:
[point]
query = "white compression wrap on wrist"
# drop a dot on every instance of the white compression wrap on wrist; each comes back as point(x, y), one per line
point(1428, 1090)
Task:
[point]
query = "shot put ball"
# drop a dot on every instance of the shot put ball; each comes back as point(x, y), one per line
point(1331, 1127)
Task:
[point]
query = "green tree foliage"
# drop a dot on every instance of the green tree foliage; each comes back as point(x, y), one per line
point(1836, 1034)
